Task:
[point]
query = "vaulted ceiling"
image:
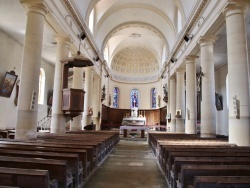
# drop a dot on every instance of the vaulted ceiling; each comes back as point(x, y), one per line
point(135, 37)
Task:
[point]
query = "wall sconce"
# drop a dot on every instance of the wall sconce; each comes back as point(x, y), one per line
point(82, 36)
point(188, 37)
point(106, 76)
point(173, 59)
point(96, 58)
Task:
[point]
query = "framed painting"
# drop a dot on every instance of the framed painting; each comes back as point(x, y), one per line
point(7, 84)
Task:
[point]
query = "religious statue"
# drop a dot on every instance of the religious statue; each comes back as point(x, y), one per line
point(103, 93)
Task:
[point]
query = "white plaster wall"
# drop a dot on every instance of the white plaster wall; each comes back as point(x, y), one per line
point(220, 88)
point(144, 90)
point(10, 57)
point(49, 81)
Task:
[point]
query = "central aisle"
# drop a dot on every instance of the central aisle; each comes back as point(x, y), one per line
point(130, 165)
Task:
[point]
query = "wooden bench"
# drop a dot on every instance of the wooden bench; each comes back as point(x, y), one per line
point(82, 153)
point(179, 161)
point(97, 142)
point(91, 151)
point(222, 181)
point(71, 158)
point(198, 149)
point(105, 142)
point(57, 168)
point(173, 155)
point(25, 178)
point(188, 172)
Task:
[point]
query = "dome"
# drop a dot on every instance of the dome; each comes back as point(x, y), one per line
point(135, 61)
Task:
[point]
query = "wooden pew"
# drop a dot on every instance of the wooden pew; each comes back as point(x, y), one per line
point(106, 142)
point(98, 143)
point(82, 153)
point(222, 181)
point(206, 153)
point(188, 172)
point(197, 149)
point(71, 158)
point(25, 178)
point(90, 149)
point(57, 168)
point(179, 161)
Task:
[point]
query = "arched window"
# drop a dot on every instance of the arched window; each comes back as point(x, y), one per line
point(91, 21)
point(134, 98)
point(153, 98)
point(179, 27)
point(41, 86)
point(115, 97)
point(227, 94)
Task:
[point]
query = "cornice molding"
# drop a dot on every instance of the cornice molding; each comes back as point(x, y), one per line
point(83, 27)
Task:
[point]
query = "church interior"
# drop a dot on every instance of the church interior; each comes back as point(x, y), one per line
point(95, 89)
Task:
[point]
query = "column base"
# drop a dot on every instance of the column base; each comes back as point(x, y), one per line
point(26, 126)
point(58, 123)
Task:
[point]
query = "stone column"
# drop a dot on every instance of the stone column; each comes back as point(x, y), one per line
point(58, 120)
point(180, 101)
point(191, 112)
point(208, 109)
point(76, 123)
point(26, 126)
point(86, 118)
point(239, 128)
point(96, 101)
point(172, 104)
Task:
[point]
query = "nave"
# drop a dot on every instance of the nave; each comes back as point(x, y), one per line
point(131, 164)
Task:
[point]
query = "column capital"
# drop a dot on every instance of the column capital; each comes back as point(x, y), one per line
point(207, 40)
point(60, 38)
point(172, 79)
point(191, 58)
point(233, 7)
point(180, 70)
point(36, 6)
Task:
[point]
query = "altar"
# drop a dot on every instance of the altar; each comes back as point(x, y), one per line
point(134, 121)
point(126, 128)
point(135, 118)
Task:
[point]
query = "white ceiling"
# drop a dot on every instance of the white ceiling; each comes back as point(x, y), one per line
point(116, 20)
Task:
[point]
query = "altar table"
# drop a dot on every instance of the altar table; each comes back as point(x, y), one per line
point(134, 121)
point(126, 128)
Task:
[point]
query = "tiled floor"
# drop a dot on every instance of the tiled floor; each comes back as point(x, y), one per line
point(130, 165)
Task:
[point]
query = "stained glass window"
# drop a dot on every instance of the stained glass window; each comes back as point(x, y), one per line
point(134, 98)
point(115, 97)
point(153, 98)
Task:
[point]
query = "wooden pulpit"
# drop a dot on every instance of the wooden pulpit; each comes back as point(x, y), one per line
point(73, 99)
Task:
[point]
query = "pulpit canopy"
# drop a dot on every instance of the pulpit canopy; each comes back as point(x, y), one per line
point(73, 99)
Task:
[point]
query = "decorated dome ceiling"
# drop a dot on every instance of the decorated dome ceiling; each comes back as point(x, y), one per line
point(134, 61)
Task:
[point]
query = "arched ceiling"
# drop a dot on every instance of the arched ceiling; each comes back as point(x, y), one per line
point(116, 21)
point(115, 27)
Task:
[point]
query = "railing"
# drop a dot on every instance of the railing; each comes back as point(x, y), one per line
point(44, 124)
